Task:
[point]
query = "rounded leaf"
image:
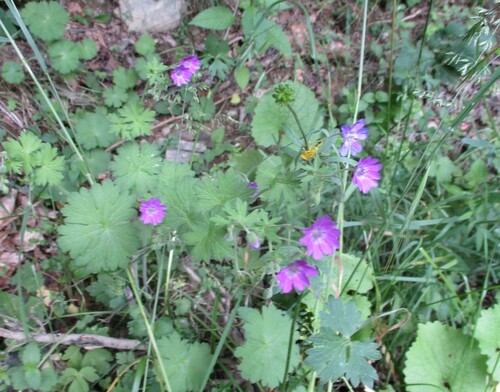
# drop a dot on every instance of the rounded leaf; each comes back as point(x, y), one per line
point(98, 232)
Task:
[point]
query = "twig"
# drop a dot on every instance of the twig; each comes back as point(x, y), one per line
point(85, 340)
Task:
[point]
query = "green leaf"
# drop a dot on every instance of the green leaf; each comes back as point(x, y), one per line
point(145, 45)
point(12, 72)
point(335, 353)
point(88, 49)
point(477, 174)
point(185, 363)
point(487, 334)
point(115, 96)
point(264, 353)
point(46, 20)
point(216, 46)
point(108, 290)
point(214, 18)
point(224, 187)
point(203, 110)
point(263, 32)
point(50, 167)
point(132, 120)
point(242, 76)
point(20, 153)
point(443, 169)
point(136, 167)
point(31, 354)
point(124, 78)
point(98, 359)
point(97, 162)
point(183, 209)
point(443, 358)
point(93, 129)
point(65, 56)
point(357, 274)
point(33, 375)
point(270, 118)
point(208, 241)
point(97, 230)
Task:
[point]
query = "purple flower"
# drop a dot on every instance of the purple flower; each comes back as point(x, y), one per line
point(253, 241)
point(181, 75)
point(351, 135)
point(295, 276)
point(152, 212)
point(254, 186)
point(366, 174)
point(322, 238)
point(191, 63)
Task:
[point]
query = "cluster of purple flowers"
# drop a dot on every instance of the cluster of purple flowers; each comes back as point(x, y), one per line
point(182, 74)
point(367, 172)
point(321, 239)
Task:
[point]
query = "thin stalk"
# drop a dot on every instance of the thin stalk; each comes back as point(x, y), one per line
point(391, 59)
point(290, 343)
point(298, 124)
point(149, 330)
point(361, 60)
point(167, 278)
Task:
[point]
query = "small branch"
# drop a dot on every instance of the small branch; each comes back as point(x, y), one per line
point(87, 341)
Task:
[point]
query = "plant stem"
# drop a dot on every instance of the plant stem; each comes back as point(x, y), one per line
point(298, 124)
point(149, 330)
point(290, 342)
point(361, 60)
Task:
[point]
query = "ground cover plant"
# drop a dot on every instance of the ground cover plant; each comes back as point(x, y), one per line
point(277, 196)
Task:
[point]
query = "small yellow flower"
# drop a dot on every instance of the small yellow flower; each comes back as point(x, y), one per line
point(311, 153)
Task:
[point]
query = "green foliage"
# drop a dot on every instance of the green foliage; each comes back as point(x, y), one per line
point(488, 335)
point(37, 160)
point(46, 20)
point(217, 56)
point(443, 169)
point(29, 375)
point(115, 96)
point(208, 241)
point(78, 380)
point(443, 357)
point(132, 120)
point(242, 76)
point(336, 352)
point(124, 78)
point(214, 18)
point(97, 231)
point(185, 363)
point(65, 56)
point(108, 290)
point(271, 119)
point(217, 191)
point(263, 33)
point(88, 49)
point(145, 45)
point(203, 109)
point(12, 72)
point(93, 129)
point(263, 355)
point(136, 167)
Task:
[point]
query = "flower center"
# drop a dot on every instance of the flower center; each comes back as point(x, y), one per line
point(361, 171)
point(316, 234)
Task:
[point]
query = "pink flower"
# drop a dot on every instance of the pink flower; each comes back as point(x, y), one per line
point(322, 238)
point(191, 63)
point(366, 174)
point(254, 186)
point(351, 135)
point(152, 212)
point(181, 75)
point(295, 276)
